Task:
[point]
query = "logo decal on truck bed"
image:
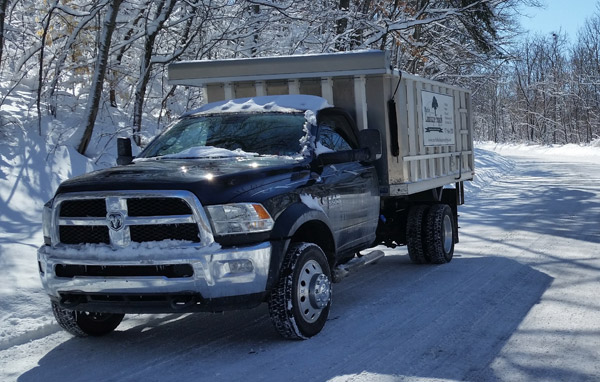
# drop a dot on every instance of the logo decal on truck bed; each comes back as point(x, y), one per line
point(438, 119)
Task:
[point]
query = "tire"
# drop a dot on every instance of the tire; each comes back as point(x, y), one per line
point(299, 304)
point(440, 234)
point(415, 234)
point(83, 324)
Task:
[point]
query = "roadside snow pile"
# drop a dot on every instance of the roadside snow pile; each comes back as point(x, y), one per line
point(30, 171)
point(31, 168)
point(489, 166)
point(587, 153)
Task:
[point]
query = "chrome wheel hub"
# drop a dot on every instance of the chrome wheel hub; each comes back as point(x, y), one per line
point(447, 232)
point(313, 291)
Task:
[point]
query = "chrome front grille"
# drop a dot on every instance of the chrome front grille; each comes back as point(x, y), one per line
point(119, 218)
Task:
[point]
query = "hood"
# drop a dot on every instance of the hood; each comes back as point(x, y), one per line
point(213, 181)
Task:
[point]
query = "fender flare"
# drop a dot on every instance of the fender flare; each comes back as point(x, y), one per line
point(286, 225)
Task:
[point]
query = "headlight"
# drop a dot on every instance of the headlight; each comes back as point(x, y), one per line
point(47, 222)
point(240, 218)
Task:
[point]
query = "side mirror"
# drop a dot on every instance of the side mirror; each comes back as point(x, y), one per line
point(371, 139)
point(124, 151)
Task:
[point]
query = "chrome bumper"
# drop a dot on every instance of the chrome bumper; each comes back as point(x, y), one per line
point(218, 272)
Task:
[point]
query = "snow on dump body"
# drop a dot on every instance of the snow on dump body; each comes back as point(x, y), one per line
point(264, 104)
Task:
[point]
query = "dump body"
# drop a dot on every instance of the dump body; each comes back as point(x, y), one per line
point(428, 141)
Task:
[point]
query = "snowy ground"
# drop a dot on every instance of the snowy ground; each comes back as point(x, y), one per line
point(518, 302)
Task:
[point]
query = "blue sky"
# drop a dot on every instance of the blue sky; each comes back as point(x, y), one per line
point(568, 15)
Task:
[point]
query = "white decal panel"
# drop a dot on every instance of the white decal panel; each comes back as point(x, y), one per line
point(438, 119)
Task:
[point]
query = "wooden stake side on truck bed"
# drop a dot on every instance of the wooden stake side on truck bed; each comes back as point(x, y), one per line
point(426, 126)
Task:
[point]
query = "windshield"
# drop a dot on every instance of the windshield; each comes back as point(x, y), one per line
point(223, 135)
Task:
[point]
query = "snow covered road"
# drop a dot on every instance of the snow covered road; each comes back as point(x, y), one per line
point(519, 302)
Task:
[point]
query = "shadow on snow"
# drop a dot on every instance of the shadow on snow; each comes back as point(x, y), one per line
point(391, 319)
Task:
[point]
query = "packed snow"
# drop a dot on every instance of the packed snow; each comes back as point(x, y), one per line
point(276, 104)
point(207, 152)
point(147, 251)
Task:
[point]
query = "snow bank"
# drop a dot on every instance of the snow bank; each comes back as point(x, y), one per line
point(31, 168)
point(585, 153)
point(489, 166)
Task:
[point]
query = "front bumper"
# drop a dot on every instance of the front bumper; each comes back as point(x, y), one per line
point(102, 279)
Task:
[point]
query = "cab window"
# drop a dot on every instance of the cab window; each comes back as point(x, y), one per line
point(335, 133)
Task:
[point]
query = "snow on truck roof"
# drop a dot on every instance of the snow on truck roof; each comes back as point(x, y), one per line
point(263, 104)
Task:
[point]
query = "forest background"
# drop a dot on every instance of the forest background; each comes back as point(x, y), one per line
point(78, 63)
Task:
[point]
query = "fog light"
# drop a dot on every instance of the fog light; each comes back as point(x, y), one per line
point(240, 266)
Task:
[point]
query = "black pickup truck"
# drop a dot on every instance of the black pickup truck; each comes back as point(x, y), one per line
point(261, 199)
point(223, 210)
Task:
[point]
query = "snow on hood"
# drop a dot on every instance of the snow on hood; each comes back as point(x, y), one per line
point(289, 103)
point(206, 152)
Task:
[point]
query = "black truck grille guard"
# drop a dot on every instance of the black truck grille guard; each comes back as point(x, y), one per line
point(119, 218)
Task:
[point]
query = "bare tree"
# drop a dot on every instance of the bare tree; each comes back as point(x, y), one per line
point(108, 27)
point(68, 49)
point(153, 27)
point(3, 6)
point(41, 64)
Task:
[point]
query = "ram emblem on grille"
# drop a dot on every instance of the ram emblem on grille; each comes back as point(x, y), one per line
point(115, 220)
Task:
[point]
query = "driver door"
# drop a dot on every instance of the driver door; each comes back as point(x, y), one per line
point(352, 190)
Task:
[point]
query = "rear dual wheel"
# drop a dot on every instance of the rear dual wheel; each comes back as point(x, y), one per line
point(415, 230)
point(430, 232)
point(440, 234)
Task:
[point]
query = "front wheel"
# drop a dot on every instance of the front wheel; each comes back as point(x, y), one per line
point(299, 304)
point(83, 324)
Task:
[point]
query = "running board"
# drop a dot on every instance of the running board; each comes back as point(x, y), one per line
point(356, 263)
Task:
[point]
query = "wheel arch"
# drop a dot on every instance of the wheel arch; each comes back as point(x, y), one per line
point(317, 232)
point(299, 223)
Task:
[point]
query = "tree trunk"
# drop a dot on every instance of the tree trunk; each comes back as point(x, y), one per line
point(341, 25)
point(41, 68)
point(108, 26)
point(3, 6)
point(112, 92)
point(256, 35)
point(163, 12)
